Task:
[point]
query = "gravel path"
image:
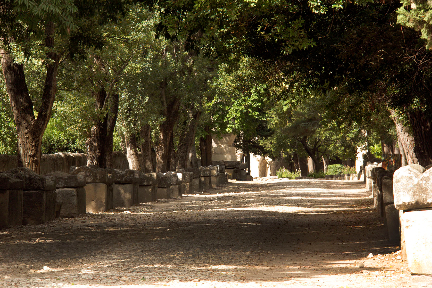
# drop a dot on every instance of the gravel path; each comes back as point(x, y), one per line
point(266, 233)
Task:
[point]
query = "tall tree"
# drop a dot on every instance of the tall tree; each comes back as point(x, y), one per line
point(29, 31)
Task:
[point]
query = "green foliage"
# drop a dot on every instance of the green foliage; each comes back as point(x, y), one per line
point(69, 125)
point(417, 14)
point(8, 138)
point(285, 173)
point(376, 150)
point(335, 169)
point(317, 175)
point(339, 169)
point(349, 170)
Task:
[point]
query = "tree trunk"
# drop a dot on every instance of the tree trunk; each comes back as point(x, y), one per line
point(422, 133)
point(164, 148)
point(100, 142)
point(96, 147)
point(405, 139)
point(206, 148)
point(146, 151)
point(111, 116)
point(30, 129)
point(187, 140)
point(132, 151)
point(310, 152)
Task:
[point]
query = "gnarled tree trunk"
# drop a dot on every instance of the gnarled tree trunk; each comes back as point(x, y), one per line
point(206, 148)
point(30, 129)
point(187, 140)
point(146, 149)
point(100, 142)
point(405, 139)
point(164, 147)
point(422, 133)
point(132, 154)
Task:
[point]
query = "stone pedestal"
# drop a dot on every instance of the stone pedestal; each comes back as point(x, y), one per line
point(163, 193)
point(39, 206)
point(145, 194)
point(392, 223)
point(417, 231)
point(97, 197)
point(147, 187)
point(123, 195)
point(204, 183)
point(39, 197)
point(11, 200)
point(71, 195)
point(175, 191)
point(72, 201)
point(195, 186)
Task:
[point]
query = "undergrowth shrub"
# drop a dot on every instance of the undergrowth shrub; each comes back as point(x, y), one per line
point(285, 173)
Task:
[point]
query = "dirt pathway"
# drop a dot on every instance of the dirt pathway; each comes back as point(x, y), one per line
point(267, 233)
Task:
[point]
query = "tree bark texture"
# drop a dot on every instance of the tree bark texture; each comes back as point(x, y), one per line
point(187, 140)
point(405, 139)
point(100, 142)
point(206, 148)
point(165, 147)
point(146, 149)
point(30, 129)
point(132, 151)
point(422, 133)
point(312, 152)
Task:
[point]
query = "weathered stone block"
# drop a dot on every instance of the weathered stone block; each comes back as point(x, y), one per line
point(214, 170)
point(173, 178)
point(222, 179)
point(9, 182)
point(213, 182)
point(184, 188)
point(66, 180)
point(412, 188)
point(97, 197)
point(175, 191)
point(230, 173)
point(163, 193)
point(387, 190)
point(204, 183)
point(195, 186)
point(92, 174)
point(4, 208)
point(417, 231)
point(164, 180)
point(392, 223)
point(221, 168)
point(145, 194)
point(187, 177)
point(205, 172)
point(33, 181)
point(39, 206)
point(124, 176)
point(123, 195)
point(15, 207)
point(72, 201)
point(147, 179)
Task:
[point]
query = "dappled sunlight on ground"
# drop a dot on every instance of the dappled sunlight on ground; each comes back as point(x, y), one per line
point(253, 234)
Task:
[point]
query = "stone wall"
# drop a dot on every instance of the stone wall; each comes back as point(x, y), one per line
point(28, 198)
point(404, 201)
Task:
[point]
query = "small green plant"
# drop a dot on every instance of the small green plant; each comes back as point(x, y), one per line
point(349, 170)
point(319, 174)
point(335, 169)
point(285, 173)
point(338, 169)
